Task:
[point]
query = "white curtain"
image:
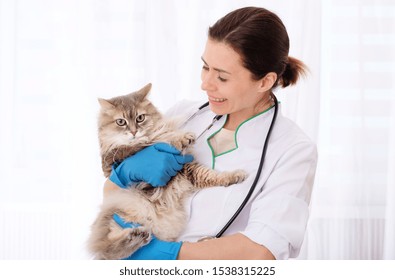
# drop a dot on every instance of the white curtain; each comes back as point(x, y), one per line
point(57, 57)
point(353, 201)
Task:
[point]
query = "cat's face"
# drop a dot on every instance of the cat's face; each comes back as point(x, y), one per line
point(126, 119)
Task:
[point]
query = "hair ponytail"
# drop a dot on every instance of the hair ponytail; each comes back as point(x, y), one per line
point(261, 39)
point(294, 69)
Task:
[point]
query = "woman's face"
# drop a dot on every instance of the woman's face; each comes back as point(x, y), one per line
point(229, 86)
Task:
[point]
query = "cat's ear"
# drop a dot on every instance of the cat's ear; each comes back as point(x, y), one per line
point(142, 93)
point(105, 104)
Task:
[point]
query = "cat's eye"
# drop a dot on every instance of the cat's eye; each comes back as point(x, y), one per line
point(140, 118)
point(120, 122)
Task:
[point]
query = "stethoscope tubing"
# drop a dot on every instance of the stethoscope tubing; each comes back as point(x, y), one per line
point(258, 173)
point(260, 167)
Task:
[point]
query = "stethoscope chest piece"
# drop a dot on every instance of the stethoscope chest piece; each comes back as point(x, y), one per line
point(206, 238)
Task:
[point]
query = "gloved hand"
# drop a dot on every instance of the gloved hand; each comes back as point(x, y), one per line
point(154, 165)
point(155, 250)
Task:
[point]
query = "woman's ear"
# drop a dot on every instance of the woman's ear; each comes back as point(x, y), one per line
point(268, 81)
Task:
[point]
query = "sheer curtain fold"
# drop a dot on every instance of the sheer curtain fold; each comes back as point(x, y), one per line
point(350, 217)
point(389, 237)
point(57, 57)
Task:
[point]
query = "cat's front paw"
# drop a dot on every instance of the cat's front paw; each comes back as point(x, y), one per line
point(188, 139)
point(237, 176)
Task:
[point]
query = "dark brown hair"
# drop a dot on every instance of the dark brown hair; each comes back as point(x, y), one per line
point(261, 39)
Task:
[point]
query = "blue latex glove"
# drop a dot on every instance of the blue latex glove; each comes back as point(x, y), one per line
point(155, 250)
point(154, 165)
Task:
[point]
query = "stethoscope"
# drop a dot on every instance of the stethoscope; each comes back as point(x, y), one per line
point(258, 173)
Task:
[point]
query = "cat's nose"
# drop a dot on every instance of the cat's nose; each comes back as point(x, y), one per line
point(133, 131)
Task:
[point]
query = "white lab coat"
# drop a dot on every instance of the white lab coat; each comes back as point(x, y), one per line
point(277, 213)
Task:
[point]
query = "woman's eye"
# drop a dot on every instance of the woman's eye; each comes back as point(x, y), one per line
point(140, 118)
point(205, 67)
point(222, 79)
point(120, 122)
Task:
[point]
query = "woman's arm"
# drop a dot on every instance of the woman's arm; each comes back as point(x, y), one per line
point(232, 247)
point(109, 186)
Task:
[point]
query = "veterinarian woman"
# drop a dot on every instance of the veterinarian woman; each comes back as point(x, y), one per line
point(245, 59)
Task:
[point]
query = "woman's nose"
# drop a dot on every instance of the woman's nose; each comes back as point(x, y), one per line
point(208, 83)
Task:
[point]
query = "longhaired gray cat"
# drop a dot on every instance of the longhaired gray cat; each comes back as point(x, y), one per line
point(127, 124)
